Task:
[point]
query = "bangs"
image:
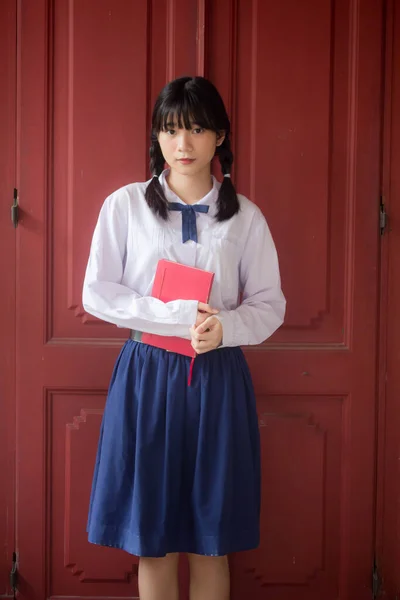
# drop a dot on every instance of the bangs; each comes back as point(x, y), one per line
point(183, 112)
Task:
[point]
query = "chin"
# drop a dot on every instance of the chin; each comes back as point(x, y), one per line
point(187, 170)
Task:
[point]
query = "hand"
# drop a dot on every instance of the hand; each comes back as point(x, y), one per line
point(204, 311)
point(207, 336)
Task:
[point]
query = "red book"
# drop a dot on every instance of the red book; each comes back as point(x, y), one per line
point(174, 281)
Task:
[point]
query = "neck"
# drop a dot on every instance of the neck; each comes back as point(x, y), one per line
point(190, 189)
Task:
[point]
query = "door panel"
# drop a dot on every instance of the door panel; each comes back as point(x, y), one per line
point(8, 53)
point(300, 84)
point(100, 127)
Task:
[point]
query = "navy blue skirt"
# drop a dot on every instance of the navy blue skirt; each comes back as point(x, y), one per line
point(177, 467)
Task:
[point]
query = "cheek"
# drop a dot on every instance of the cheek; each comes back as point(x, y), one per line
point(212, 146)
point(208, 148)
point(166, 147)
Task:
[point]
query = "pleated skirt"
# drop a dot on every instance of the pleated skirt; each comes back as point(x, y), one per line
point(177, 467)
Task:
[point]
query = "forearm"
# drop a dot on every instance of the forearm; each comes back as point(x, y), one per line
point(251, 324)
point(121, 306)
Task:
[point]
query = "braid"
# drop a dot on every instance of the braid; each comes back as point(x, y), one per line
point(156, 158)
point(154, 194)
point(228, 203)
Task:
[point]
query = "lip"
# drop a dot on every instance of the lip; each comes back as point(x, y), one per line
point(186, 161)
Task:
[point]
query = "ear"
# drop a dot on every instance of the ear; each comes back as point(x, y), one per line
point(220, 137)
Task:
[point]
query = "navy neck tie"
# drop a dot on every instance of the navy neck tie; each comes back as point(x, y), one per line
point(189, 229)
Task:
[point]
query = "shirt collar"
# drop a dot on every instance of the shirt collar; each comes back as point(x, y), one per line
point(209, 199)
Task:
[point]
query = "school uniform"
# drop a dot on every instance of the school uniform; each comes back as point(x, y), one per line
point(178, 466)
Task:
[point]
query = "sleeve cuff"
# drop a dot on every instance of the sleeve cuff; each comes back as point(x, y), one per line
point(188, 312)
point(228, 332)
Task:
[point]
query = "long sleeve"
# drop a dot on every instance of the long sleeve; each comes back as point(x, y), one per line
point(106, 298)
point(263, 304)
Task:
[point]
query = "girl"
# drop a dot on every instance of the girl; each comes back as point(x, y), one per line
point(178, 466)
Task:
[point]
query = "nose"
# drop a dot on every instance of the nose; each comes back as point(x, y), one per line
point(184, 141)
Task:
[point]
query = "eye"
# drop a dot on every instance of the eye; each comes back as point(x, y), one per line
point(170, 131)
point(198, 130)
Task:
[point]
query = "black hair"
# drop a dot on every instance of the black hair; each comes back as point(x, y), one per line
point(191, 100)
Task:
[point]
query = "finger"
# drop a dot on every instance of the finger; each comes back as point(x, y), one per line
point(198, 337)
point(209, 323)
point(203, 334)
point(206, 347)
point(196, 345)
point(201, 347)
point(207, 308)
point(201, 317)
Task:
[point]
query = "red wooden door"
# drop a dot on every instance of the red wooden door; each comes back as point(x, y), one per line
point(302, 82)
point(8, 54)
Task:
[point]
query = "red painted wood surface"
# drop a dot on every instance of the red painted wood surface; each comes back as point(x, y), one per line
point(7, 286)
point(303, 87)
point(388, 481)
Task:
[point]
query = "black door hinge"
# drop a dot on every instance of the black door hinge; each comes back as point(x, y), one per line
point(14, 209)
point(376, 581)
point(383, 218)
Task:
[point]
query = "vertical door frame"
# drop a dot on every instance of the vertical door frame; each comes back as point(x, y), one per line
point(32, 106)
point(8, 237)
point(388, 418)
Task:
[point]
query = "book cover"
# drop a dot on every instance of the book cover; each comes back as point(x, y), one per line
point(174, 281)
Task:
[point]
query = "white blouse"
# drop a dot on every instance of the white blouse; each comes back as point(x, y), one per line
point(129, 239)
